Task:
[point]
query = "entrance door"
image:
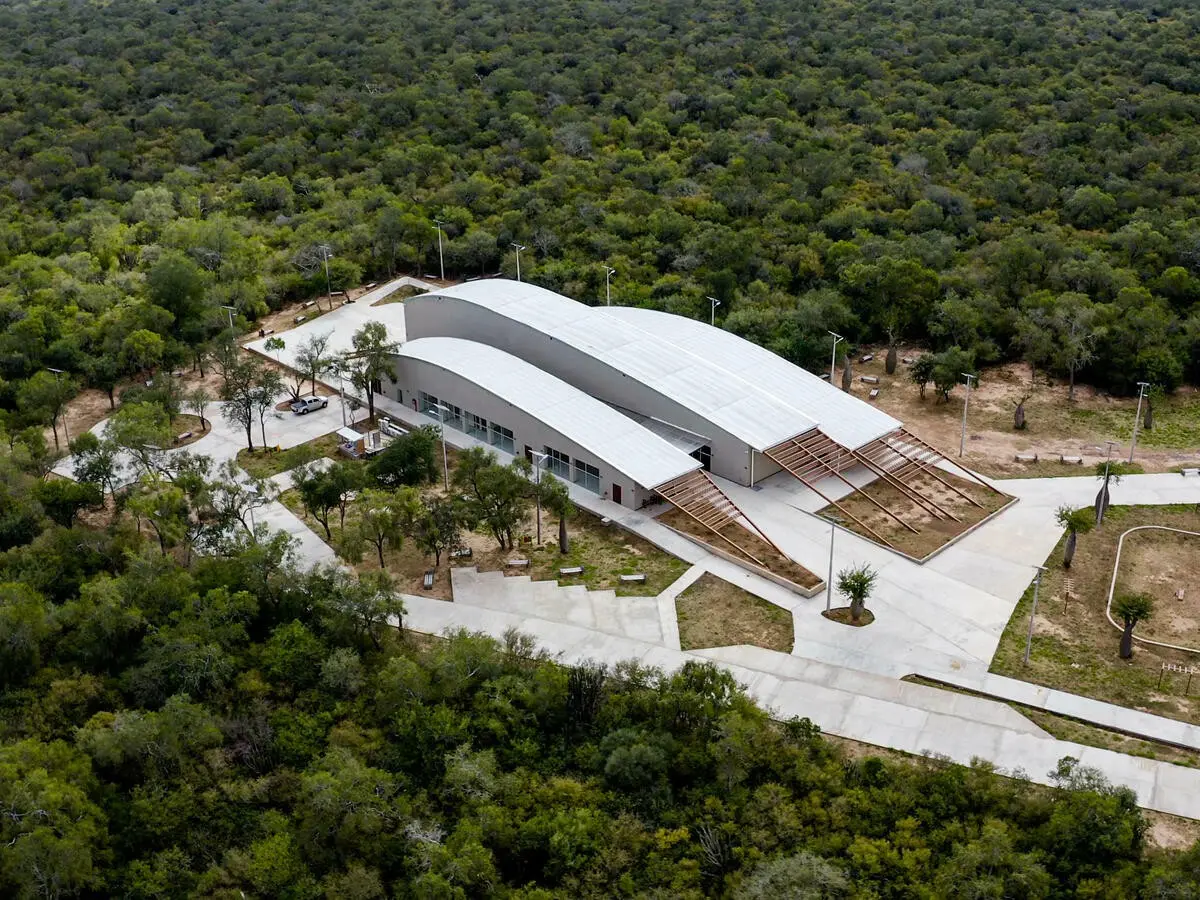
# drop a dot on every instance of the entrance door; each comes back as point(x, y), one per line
point(616, 493)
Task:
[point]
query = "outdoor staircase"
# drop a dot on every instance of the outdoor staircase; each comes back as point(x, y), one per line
point(574, 604)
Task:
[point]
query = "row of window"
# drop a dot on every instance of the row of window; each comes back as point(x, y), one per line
point(583, 474)
point(476, 426)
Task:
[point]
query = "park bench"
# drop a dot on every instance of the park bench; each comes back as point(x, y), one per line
point(427, 583)
point(1186, 472)
point(868, 379)
point(299, 319)
point(1179, 594)
point(518, 563)
point(907, 360)
point(606, 521)
point(1027, 457)
point(308, 304)
point(1071, 460)
point(874, 393)
point(868, 357)
point(180, 438)
point(461, 553)
point(639, 578)
point(824, 376)
point(571, 570)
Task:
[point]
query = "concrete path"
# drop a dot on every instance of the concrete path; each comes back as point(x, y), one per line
point(960, 728)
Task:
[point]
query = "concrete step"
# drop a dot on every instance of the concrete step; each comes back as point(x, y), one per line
point(879, 687)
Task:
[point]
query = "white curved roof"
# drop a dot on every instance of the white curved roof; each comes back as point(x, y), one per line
point(849, 421)
point(690, 378)
point(611, 437)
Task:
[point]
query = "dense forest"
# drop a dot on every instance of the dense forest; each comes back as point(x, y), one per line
point(1009, 178)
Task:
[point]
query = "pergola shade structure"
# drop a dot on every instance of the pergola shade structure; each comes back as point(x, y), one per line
point(698, 497)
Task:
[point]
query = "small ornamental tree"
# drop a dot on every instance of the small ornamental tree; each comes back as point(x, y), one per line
point(856, 585)
point(1132, 609)
point(1076, 522)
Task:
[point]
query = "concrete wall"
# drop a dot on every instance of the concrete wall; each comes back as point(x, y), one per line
point(413, 376)
point(438, 316)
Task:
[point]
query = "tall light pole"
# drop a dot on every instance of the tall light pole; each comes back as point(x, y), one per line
point(712, 312)
point(328, 283)
point(58, 374)
point(519, 247)
point(231, 310)
point(1137, 418)
point(962, 441)
point(837, 338)
point(441, 417)
point(437, 223)
point(538, 458)
point(609, 272)
point(1037, 581)
point(829, 579)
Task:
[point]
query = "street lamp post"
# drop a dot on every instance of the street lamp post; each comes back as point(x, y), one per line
point(437, 223)
point(328, 282)
point(609, 272)
point(1037, 581)
point(829, 579)
point(58, 374)
point(837, 338)
point(712, 312)
point(441, 417)
point(538, 459)
point(519, 247)
point(1137, 418)
point(962, 441)
point(231, 310)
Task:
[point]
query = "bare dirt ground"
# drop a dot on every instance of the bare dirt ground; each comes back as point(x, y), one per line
point(753, 548)
point(933, 531)
point(1054, 425)
point(1161, 563)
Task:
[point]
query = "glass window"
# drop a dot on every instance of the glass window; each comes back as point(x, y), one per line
point(501, 437)
point(587, 476)
point(477, 426)
point(454, 416)
point(558, 463)
point(429, 404)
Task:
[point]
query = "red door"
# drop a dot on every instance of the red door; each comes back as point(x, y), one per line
point(616, 493)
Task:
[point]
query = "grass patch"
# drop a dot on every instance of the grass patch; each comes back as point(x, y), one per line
point(182, 424)
point(401, 294)
point(715, 613)
point(932, 532)
point(263, 463)
point(606, 552)
point(1075, 647)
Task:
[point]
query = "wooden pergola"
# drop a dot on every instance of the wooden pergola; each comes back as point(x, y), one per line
point(698, 496)
point(899, 459)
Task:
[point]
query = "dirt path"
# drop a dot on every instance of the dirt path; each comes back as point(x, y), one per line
point(1055, 427)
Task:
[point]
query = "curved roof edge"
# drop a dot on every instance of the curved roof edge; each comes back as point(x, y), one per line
point(611, 437)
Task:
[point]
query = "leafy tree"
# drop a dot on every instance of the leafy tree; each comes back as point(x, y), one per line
point(370, 361)
point(921, 371)
point(143, 431)
point(439, 527)
point(1076, 522)
point(63, 500)
point(313, 358)
point(804, 876)
point(1131, 609)
point(410, 459)
point(383, 518)
point(264, 392)
point(856, 585)
point(949, 366)
point(495, 496)
point(44, 396)
point(198, 401)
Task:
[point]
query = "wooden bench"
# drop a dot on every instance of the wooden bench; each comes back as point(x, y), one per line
point(1179, 594)
point(427, 583)
point(639, 578)
point(1071, 460)
point(299, 319)
point(571, 570)
point(868, 379)
point(874, 393)
point(308, 304)
point(1186, 472)
point(461, 553)
point(907, 360)
point(180, 438)
point(868, 357)
point(518, 563)
point(1027, 457)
